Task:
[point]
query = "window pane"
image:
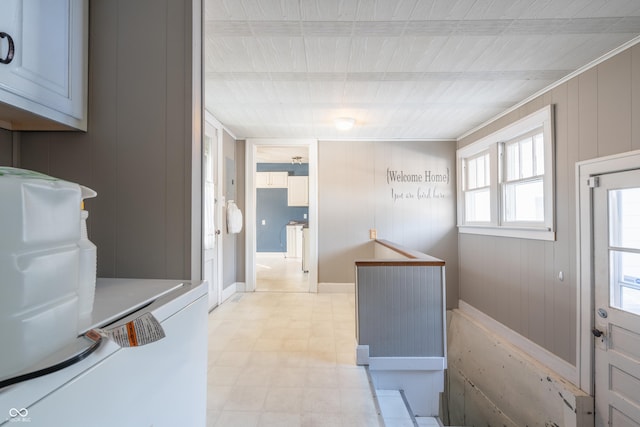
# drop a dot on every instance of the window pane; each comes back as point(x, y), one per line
point(477, 206)
point(513, 162)
point(481, 172)
point(624, 289)
point(524, 201)
point(487, 168)
point(538, 149)
point(526, 157)
point(624, 208)
point(471, 174)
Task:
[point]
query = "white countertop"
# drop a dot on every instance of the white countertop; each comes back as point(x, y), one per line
point(116, 298)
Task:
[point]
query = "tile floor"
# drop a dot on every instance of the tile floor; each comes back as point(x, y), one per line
point(276, 273)
point(287, 359)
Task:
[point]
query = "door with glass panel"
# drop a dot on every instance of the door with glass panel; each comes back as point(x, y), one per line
point(211, 228)
point(616, 239)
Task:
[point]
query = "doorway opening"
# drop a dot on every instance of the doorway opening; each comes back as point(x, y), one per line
point(281, 208)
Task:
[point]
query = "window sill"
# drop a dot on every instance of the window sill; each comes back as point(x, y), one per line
point(518, 233)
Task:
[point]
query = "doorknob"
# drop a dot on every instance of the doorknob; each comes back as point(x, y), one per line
point(217, 232)
point(597, 332)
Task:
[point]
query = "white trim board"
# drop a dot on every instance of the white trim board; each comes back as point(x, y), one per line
point(228, 292)
point(218, 124)
point(540, 354)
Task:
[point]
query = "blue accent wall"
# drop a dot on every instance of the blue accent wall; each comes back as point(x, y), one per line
point(295, 170)
point(271, 206)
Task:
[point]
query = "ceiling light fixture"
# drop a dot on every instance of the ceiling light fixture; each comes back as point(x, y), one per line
point(344, 123)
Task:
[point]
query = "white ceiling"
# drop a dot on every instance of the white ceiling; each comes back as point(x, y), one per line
point(404, 69)
point(281, 154)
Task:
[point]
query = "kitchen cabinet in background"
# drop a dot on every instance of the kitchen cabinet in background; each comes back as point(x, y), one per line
point(298, 194)
point(271, 179)
point(43, 64)
point(294, 241)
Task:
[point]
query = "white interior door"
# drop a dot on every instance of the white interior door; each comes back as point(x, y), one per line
point(211, 219)
point(616, 223)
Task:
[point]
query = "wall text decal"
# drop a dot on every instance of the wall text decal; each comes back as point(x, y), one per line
point(420, 192)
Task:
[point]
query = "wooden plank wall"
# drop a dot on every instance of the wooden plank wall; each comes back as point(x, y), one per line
point(516, 281)
point(137, 151)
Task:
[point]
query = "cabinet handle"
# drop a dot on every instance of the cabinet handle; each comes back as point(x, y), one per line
point(12, 48)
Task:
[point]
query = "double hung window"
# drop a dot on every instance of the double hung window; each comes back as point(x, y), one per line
point(505, 181)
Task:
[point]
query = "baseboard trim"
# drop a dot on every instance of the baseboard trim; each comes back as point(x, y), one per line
point(229, 291)
point(344, 288)
point(271, 254)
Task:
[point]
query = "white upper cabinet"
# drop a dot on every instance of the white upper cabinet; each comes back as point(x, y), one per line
point(43, 64)
point(271, 179)
point(298, 194)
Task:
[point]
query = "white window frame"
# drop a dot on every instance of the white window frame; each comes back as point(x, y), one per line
point(493, 143)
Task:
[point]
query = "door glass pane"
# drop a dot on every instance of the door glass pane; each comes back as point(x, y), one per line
point(624, 243)
point(624, 218)
point(624, 290)
point(208, 199)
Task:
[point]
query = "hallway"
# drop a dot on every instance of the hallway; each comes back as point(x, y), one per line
point(286, 359)
point(277, 273)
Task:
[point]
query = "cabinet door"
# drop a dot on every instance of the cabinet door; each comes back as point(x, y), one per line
point(298, 194)
point(48, 73)
point(279, 179)
point(291, 241)
point(271, 179)
point(298, 241)
point(262, 179)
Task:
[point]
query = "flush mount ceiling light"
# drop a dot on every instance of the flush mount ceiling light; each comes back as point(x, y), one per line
point(344, 123)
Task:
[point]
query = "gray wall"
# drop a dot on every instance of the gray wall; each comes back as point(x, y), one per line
point(6, 148)
point(230, 190)
point(355, 196)
point(137, 151)
point(516, 281)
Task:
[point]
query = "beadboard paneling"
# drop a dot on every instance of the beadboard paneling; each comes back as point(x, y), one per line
point(400, 311)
